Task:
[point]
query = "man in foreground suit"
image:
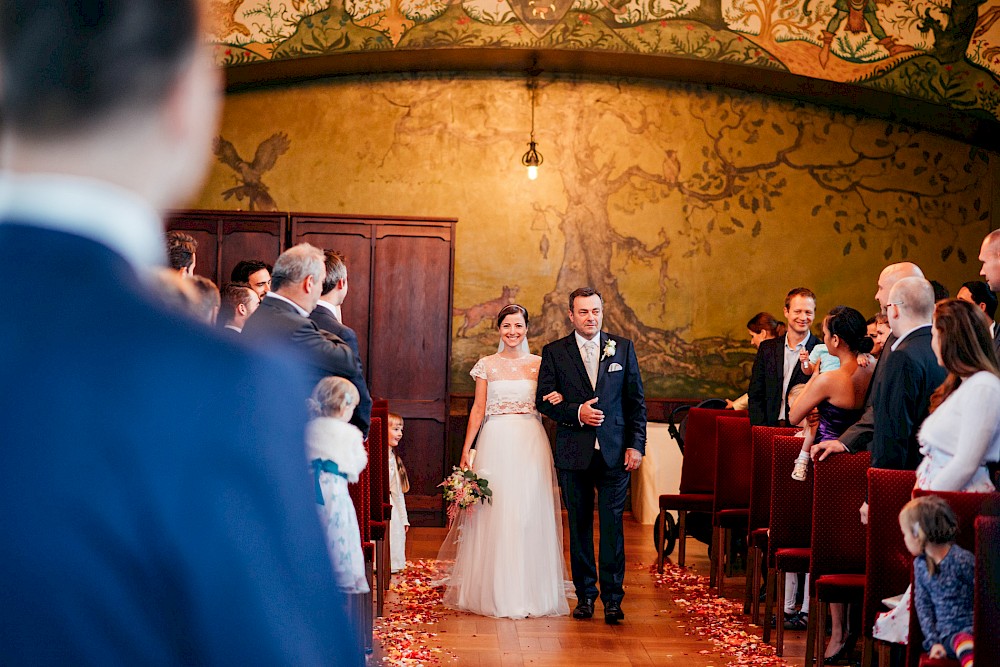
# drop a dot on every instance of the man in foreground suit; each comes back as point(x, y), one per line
point(600, 439)
point(283, 316)
point(151, 514)
point(326, 315)
point(776, 367)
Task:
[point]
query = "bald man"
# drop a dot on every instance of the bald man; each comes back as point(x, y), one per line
point(858, 437)
point(989, 255)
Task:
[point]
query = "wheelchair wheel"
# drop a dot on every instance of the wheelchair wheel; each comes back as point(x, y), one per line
point(670, 538)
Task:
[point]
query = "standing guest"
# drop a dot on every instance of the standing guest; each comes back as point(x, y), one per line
point(206, 305)
point(399, 484)
point(979, 293)
point(337, 457)
point(940, 291)
point(181, 253)
point(327, 317)
point(944, 574)
point(238, 303)
point(858, 437)
point(777, 366)
point(254, 273)
point(878, 331)
point(989, 255)
point(283, 316)
point(762, 326)
point(142, 523)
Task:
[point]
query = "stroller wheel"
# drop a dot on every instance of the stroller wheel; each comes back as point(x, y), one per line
point(671, 537)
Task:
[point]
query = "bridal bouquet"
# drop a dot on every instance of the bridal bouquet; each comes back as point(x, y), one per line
point(463, 489)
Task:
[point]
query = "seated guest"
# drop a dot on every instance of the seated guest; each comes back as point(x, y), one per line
point(326, 315)
point(777, 367)
point(962, 433)
point(206, 305)
point(762, 326)
point(152, 494)
point(878, 331)
point(181, 253)
point(979, 293)
point(254, 273)
point(283, 316)
point(238, 302)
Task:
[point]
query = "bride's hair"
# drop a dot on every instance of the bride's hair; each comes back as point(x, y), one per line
point(512, 309)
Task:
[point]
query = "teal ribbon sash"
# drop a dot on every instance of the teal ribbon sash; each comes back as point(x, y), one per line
point(320, 466)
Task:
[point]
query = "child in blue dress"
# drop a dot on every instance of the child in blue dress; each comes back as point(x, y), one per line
point(943, 578)
point(337, 456)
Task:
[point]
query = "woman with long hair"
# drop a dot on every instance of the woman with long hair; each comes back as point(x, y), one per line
point(762, 326)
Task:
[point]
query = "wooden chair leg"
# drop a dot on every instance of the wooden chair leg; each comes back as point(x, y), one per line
point(380, 567)
point(367, 619)
point(884, 649)
point(811, 630)
point(751, 576)
point(661, 522)
point(819, 642)
point(681, 536)
point(866, 652)
point(759, 577)
point(779, 612)
point(768, 606)
point(714, 560)
point(727, 534)
point(720, 562)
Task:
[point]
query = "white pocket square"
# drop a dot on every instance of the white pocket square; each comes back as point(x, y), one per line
point(614, 367)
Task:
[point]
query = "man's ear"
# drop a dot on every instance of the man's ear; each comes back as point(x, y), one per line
point(241, 309)
point(308, 283)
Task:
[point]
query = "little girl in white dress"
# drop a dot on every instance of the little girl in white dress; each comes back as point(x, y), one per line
point(337, 456)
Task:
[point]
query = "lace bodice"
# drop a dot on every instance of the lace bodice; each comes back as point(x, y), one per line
point(511, 383)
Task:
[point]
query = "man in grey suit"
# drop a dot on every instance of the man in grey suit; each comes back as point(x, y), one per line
point(326, 315)
point(283, 316)
point(989, 255)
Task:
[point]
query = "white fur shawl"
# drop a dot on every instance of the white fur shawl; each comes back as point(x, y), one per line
point(340, 442)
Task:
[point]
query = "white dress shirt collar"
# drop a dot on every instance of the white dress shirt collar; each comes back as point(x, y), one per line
point(234, 328)
point(97, 210)
point(329, 306)
point(581, 341)
point(274, 295)
point(903, 337)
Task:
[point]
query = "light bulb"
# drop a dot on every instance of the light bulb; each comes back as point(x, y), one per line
point(532, 172)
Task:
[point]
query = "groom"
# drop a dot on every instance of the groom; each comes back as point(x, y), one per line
point(601, 437)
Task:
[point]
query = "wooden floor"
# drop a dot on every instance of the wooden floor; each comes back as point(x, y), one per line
point(656, 630)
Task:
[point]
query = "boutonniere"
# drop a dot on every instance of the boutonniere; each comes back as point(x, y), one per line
point(609, 350)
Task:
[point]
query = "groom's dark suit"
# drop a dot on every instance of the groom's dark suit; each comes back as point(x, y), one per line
point(620, 398)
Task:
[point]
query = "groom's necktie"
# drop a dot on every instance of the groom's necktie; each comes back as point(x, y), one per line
point(590, 347)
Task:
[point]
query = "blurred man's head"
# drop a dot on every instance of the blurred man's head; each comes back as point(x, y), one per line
point(238, 303)
point(254, 273)
point(979, 293)
point(118, 90)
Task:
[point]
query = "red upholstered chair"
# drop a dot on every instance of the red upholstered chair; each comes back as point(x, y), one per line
point(966, 507)
point(697, 487)
point(791, 528)
point(378, 524)
point(731, 507)
point(837, 566)
point(361, 605)
point(762, 453)
point(986, 623)
point(888, 563)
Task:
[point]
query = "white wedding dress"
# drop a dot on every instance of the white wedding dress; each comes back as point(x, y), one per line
point(505, 559)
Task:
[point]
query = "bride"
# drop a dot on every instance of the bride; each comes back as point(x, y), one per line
point(508, 556)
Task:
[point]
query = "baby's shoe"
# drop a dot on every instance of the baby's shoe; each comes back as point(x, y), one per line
point(800, 470)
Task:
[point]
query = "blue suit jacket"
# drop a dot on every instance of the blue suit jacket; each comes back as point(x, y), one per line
point(620, 397)
point(155, 503)
point(325, 320)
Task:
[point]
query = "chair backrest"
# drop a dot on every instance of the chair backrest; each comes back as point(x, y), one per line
point(791, 500)
point(377, 460)
point(762, 456)
point(986, 622)
point(966, 507)
point(732, 463)
point(838, 536)
point(360, 497)
point(888, 562)
point(380, 409)
point(700, 441)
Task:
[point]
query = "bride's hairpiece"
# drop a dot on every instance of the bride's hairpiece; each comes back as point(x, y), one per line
point(511, 309)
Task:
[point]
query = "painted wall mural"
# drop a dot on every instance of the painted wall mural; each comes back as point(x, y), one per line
point(690, 208)
point(941, 51)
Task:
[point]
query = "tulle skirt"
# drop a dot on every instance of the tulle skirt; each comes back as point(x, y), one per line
point(505, 559)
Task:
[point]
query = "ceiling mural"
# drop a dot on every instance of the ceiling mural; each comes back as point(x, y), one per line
point(940, 51)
